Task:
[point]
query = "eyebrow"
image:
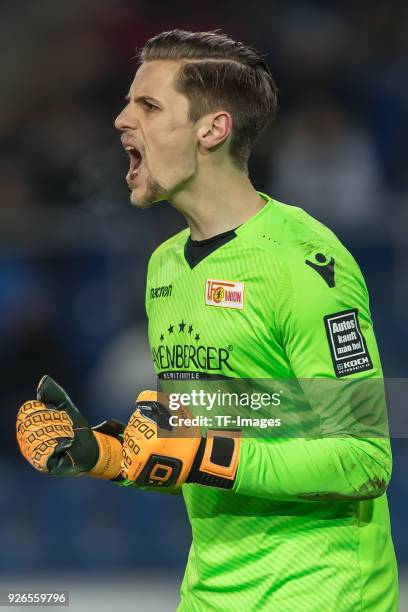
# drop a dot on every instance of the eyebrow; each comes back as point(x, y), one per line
point(139, 99)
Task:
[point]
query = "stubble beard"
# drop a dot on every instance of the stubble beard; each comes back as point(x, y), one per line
point(155, 192)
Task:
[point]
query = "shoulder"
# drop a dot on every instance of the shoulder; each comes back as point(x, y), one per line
point(285, 228)
point(314, 270)
point(313, 251)
point(301, 242)
point(319, 275)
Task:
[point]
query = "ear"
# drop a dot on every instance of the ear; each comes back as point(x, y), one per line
point(215, 129)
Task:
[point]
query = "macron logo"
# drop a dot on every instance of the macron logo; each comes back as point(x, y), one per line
point(158, 292)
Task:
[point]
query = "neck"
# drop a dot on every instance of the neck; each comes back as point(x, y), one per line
point(216, 200)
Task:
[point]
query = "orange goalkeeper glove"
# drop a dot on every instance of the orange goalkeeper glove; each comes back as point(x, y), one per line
point(157, 454)
point(56, 439)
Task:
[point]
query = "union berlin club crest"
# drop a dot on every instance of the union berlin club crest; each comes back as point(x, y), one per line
point(224, 293)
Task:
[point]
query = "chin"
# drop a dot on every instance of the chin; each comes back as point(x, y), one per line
point(154, 192)
point(139, 201)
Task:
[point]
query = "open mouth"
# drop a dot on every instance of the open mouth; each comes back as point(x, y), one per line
point(136, 159)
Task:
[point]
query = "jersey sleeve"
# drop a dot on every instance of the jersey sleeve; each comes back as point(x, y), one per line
point(323, 323)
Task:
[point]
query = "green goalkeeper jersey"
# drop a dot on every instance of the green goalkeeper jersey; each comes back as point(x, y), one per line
point(306, 524)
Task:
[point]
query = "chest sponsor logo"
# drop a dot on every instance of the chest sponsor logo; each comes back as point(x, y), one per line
point(159, 292)
point(223, 293)
point(347, 344)
point(181, 354)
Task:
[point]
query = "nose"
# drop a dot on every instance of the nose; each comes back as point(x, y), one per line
point(127, 120)
point(120, 121)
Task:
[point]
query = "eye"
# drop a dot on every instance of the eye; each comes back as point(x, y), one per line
point(149, 106)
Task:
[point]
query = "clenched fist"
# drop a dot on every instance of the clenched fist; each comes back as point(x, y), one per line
point(43, 433)
point(56, 439)
point(159, 454)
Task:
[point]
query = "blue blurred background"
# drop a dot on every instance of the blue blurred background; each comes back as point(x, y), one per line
point(73, 251)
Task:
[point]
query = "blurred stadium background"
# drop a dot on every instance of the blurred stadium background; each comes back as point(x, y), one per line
point(74, 252)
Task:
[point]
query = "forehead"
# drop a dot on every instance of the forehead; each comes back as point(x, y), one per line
point(155, 77)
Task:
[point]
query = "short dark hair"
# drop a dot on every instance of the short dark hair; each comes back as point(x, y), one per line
point(220, 73)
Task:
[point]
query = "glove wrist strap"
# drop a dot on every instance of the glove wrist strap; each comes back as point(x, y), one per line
point(216, 462)
point(110, 456)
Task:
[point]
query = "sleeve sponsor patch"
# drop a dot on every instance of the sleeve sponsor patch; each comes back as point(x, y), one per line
point(347, 344)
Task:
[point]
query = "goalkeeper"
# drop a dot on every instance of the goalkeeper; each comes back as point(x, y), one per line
point(252, 289)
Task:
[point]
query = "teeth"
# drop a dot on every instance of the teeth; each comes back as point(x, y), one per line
point(129, 148)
